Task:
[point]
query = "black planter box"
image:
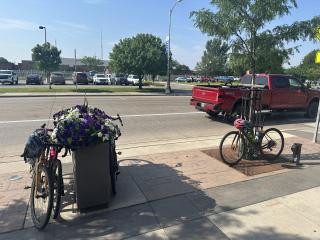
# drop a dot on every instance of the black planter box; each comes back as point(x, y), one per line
point(92, 176)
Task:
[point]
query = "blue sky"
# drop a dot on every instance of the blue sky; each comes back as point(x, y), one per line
point(78, 23)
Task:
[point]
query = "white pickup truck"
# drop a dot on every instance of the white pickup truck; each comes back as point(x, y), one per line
point(8, 76)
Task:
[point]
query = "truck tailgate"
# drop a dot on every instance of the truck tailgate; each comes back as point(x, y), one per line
point(205, 94)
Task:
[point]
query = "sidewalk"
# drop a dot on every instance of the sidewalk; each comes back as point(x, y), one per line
point(184, 195)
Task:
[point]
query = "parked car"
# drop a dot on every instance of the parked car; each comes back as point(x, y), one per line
point(90, 76)
point(225, 79)
point(57, 78)
point(100, 78)
point(8, 76)
point(181, 79)
point(80, 78)
point(34, 79)
point(281, 92)
point(207, 79)
point(133, 79)
point(119, 79)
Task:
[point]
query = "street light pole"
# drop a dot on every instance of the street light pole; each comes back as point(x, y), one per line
point(168, 88)
point(45, 41)
point(45, 33)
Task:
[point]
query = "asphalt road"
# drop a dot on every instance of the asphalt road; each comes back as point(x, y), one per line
point(147, 119)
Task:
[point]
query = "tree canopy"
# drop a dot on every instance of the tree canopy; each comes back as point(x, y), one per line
point(243, 25)
point(308, 69)
point(214, 59)
point(3, 60)
point(140, 55)
point(93, 63)
point(46, 56)
point(179, 69)
point(270, 56)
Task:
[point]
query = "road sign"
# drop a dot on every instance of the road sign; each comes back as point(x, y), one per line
point(318, 57)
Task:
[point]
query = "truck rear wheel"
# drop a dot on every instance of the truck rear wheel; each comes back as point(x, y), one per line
point(212, 113)
point(312, 109)
point(239, 111)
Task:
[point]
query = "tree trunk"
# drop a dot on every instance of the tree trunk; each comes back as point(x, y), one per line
point(140, 82)
point(48, 79)
point(253, 72)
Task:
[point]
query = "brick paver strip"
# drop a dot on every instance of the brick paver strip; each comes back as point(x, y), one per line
point(13, 201)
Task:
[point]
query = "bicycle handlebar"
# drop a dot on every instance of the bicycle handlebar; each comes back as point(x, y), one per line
point(118, 118)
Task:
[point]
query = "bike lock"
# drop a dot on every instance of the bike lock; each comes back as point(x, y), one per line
point(296, 152)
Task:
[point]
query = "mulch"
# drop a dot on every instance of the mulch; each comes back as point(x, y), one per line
point(255, 166)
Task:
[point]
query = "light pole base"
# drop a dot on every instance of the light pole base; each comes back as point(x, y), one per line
point(168, 91)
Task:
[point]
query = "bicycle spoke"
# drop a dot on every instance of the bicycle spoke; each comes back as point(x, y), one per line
point(232, 148)
point(41, 201)
point(272, 143)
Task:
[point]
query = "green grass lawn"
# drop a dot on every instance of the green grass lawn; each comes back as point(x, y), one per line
point(81, 89)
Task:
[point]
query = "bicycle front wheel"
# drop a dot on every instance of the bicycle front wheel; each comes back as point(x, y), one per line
point(271, 144)
point(41, 197)
point(57, 187)
point(113, 169)
point(232, 148)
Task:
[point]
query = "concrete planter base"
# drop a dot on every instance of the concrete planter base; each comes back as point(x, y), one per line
point(92, 176)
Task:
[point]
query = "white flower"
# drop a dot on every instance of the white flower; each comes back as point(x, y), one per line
point(100, 134)
point(106, 137)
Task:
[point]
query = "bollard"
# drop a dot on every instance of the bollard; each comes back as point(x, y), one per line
point(296, 152)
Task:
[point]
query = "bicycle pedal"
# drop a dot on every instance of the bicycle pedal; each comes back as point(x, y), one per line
point(27, 187)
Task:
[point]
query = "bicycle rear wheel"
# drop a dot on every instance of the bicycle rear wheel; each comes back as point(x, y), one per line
point(113, 169)
point(57, 187)
point(232, 148)
point(271, 144)
point(41, 197)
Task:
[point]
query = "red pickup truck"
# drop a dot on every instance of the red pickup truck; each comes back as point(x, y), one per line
point(282, 92)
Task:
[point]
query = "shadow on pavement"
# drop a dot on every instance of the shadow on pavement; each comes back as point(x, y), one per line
point(12, 216)
point(166, 206)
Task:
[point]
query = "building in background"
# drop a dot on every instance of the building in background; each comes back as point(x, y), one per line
point(67, 64)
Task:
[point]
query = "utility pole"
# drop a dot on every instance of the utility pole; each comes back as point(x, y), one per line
point(101, 47)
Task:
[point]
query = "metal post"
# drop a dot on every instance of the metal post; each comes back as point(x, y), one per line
point(315, 136)
point(75, 66)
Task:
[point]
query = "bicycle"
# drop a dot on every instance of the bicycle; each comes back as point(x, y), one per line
point(250, 140)
point(47, 181)
point(114, 166)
